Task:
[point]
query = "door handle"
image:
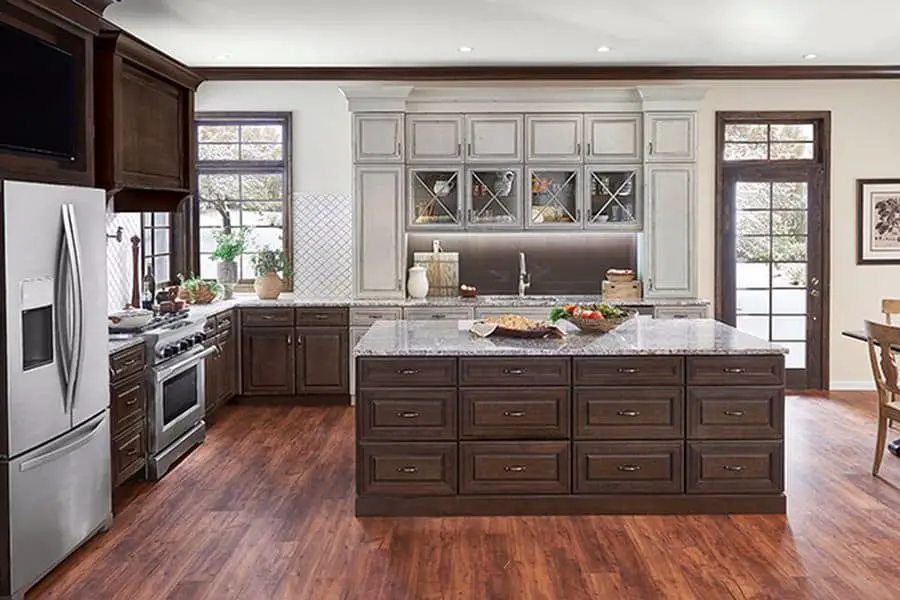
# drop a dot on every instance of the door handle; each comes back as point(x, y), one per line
point(513, 371)
point(513, 413)
point(733, 413)
point(629, 413)
point(410, 469)
point(629, 370)
point(54, 454)
point(629, 468)
point(514, 468)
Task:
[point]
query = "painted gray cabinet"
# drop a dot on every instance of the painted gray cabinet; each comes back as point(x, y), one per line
point(494, 198)
point(434, 138)
point(613, 137)
point(614, 197)
point(671, 136)
point(378, 137)
point(435, 197)
point(680, 312)
point(553, 138)
point(668, 261)
point(494, 138)
point(380, 242)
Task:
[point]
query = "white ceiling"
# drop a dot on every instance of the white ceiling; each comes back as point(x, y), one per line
point(430, 32)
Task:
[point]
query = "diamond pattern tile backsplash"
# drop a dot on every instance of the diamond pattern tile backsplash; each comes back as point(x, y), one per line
point(323, 245)
point(118, 258)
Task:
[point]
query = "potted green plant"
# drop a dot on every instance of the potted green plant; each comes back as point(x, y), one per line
point(268, 263)
point(230, 244)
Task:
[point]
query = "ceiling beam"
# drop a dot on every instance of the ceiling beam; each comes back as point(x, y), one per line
point(549, 72)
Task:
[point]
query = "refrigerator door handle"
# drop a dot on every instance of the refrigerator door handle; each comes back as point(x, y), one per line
point(52, 455)
point(61, 316)
point(74, 254)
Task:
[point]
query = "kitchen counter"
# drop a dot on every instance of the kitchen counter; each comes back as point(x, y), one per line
point(119, 342)
point(641, 336)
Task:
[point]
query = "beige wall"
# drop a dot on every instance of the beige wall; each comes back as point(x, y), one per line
point(865, 143)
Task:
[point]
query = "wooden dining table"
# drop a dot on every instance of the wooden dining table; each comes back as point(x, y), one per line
point(859, 334)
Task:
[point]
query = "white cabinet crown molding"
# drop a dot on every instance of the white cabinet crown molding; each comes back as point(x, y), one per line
point(376, 98)
point(671, 97)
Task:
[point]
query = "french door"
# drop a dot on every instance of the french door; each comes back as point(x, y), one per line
point(772, 256)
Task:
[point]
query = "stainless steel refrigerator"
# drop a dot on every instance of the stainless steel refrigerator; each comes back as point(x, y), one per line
point(55, 488)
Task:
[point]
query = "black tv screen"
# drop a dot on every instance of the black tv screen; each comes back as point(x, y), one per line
point(38, 88)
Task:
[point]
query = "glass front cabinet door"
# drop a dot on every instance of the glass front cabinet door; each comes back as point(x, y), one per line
point(554, 198)
point(613, 198)
point(435, 198)
point(495, 198)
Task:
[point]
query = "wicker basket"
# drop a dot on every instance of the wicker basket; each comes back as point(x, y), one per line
point(601, 325)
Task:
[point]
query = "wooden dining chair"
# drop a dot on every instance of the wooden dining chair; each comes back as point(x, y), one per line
point(890, 306)
point(884, 370)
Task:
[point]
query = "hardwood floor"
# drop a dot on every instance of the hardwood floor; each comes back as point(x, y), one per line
point(264, 510)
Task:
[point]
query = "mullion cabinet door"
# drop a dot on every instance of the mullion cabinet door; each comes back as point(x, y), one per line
point(435, 198)
point(613, 197)
point(494, 198)
point(553, 199)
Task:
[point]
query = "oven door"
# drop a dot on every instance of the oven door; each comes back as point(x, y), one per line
point(178, 398)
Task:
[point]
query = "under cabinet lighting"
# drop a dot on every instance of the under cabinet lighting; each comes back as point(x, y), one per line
point(465, 48)
point(603, 49)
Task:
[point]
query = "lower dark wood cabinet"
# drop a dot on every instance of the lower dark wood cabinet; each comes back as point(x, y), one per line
point(129, 455)
point(629, 467)
point(413, 469)
point(268, 361)
point(514, 468)
point(128, 414)
point(322, 366)
point(735, 467)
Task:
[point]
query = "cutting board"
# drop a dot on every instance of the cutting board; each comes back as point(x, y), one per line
point(442, 269)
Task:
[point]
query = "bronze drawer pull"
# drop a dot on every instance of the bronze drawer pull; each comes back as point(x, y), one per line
point(514, 468)
point(629, 413)
point(133, 452)
point(735, 370)
point(130, 390)
point(629, 370)
point(321, 317)
point(629, 468)
point(131, 402)
point(410, 469)
point(733, 413)
point(734, 468)
point(513, 371)
point(408, 414)
point(408, 372)
point(513, 413)
point(439, 316)
point(268, 317)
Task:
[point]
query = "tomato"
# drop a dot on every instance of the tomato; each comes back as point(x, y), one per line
point(570, 308)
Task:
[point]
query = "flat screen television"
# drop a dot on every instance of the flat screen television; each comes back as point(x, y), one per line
point(38, 96)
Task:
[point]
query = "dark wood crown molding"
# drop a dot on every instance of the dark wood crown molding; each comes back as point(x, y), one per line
point(115, 40)
point(548, 72)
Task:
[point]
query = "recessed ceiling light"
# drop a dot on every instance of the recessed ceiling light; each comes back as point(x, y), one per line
point(809, 56)
point(603, 49)
point(465, 48)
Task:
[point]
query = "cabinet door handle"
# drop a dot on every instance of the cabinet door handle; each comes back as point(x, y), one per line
point(629, 413)
point(650, 144)
point(459, 215)
point(514, 468)
point(629, 468)
point(375, 316)
point(589, 149)
point(513, 413)
point(299, 340)
point(733, 413)
point(398, 148)
point(577, 215)
point(578, 148)
point(267, 317)
point(321, 317)
point(629, 370)
point(290, 340)
point(470, 148)
point(734, 468)
point(408, 372)
point(439, 316)
point(408, 469)
point(513, 371)
point(459, 149)
point(733, 370)
point(408, 414)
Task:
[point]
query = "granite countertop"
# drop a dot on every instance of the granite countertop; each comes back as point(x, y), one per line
point(481, 301)
point(637, 337)
point(119, 342)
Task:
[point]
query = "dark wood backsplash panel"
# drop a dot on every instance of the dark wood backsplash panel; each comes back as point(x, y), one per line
point(559, 262)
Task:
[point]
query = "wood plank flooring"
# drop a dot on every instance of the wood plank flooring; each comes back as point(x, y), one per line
point(264, 510)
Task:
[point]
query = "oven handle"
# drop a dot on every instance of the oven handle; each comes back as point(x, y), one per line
point(194, 359)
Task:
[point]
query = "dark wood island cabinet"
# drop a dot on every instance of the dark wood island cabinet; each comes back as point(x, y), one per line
point(693, 428)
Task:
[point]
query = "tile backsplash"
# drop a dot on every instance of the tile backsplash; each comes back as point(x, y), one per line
point(118, 258)
point(323, 245)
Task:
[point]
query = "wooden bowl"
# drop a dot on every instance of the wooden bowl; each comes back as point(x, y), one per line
point(473, 293)
point(601, 325)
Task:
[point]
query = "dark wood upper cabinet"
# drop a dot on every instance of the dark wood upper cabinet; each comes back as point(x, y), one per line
point(71, 27)
point(145, 114)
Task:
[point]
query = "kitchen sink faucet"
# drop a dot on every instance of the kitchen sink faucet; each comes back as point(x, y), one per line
point(524, 275)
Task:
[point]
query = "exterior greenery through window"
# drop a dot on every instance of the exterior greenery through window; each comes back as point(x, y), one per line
point(244, 180)
point(156, 246)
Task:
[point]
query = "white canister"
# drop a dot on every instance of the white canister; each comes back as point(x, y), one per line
point(417, 284)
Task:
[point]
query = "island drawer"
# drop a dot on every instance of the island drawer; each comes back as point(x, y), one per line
point(735, 467)
point(630, 370)
point(629, 467)
point(736, 370)
point(514, 468)
point(514, 413)
point(514, 371)
point(450, 313)
point(321, 317)
point(267, 317)
point(407, 372)
point(629, 413)
point(365, 317)
point(734, 413)
point(411, 469)
point(407, 414)
point(127, 362)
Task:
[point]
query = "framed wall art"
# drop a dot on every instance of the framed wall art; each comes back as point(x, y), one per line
point(878, 221)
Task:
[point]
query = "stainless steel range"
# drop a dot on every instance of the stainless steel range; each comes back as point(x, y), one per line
point(177, 390)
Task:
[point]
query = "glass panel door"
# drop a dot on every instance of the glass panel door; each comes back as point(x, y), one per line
point(495, 197)
point(435, 201)
point(554, 198)
point(613, 198)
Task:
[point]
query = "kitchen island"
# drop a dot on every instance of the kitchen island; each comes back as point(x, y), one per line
point(656, 417)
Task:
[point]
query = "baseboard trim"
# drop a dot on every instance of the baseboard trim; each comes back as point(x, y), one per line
point(458, 506)
point(851, 386)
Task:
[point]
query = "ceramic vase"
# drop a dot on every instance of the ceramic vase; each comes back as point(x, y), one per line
point(268, 286)
point(417, 284)
point(226, 273)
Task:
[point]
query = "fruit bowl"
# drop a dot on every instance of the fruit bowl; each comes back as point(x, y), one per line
point(601, 325)
point(593, 318)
